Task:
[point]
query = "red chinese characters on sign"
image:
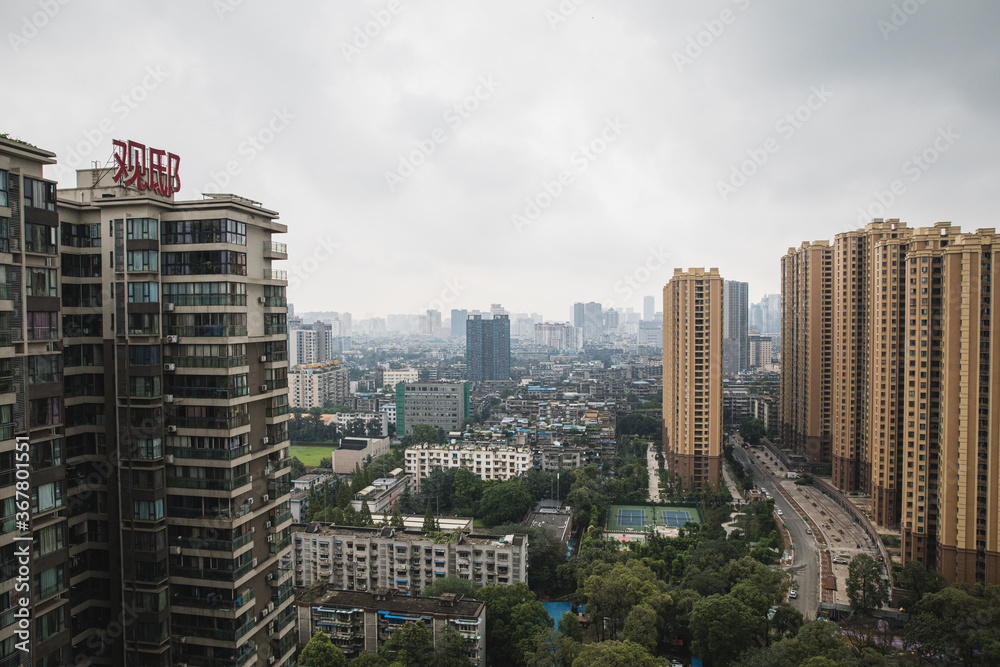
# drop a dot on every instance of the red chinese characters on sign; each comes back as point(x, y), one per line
point(146, 168)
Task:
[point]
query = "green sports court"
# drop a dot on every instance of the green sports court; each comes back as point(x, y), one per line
point(640, 518)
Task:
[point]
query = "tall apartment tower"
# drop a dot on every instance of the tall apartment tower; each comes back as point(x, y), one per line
point(648, 308)
point(487, 348)
point(806, 349)
point(458, 318)
point(33, 420)
point(736, 344)
point(148, 358)
point(692, 377)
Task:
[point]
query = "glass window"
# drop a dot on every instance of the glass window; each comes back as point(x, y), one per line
point(142, 228)
point(39, 194)
point(40, 238)
point(46, 368)
point(144, 355)
point(45, 411)
point(49, 539)
point(148, 510)
point(46, 454)
point(43, 325)
point(148, 292)
point(3, 188)
point(46, 497)
point(41, 282)
point(143, 260)
point(204, 231)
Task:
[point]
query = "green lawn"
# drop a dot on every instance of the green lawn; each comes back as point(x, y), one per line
point(310, 455)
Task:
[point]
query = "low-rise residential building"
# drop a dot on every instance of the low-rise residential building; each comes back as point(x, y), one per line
point(353, 452)
point(364, 559)
point(391, 378)
point(360, 621)
point(381, 494)
point(372, 420)
point(487, 460)
point(308, 481)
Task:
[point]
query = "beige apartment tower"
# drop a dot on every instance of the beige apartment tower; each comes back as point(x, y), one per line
point(692, 377)
point(806, 349)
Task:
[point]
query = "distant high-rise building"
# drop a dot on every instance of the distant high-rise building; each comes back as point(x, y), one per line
point(593, 321)
point(579, 315)
point(458, 318)
point(496, 310)
point(736, 345)
point(443, 405)
point(692, 377)
point(765, 315)
point(611, 321)
point(487, 348)
point(562, 337)
point(650, 334)
point(648, 307)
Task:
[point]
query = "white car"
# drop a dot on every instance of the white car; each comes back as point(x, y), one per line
point(840, 561)
point(780, 513)
point(793, 594)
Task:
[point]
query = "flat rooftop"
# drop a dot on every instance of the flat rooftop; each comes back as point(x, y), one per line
point(405, 535)
point(388, 600)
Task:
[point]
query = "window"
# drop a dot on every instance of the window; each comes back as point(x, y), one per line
point(141, 228)
point(144, 387)
point(212, 262)
point(49, 539)
point(45, 411)
point(143, 324)
point(40, 238)
point(205, 294)
point(144, 355)
point(50, 582)
point(46, 368)
point(41, 282)
point(143, 260)
point(46, 497)
point(83, 325)
point(39, 194)
point(204, 231)
point(3, 188)
point(4, 234)
point(46, 454)
point(147, 510)
point(51, 624)
point(81, 236)
point(43, 325)
point(143, 292)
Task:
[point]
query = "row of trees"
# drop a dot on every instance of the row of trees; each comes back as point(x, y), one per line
point(310, 428)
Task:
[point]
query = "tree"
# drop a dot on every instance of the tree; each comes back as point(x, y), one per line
point(504, 502)
point(866, 588)
point(642, 627)
point(397, 517)
point(752, 430)
point(412, 645)
point(722, 627)
point(298, 468)
point(952, 622)
point(553, 650)
point(343, 496)
point(326, 463)
point(430, 524)
point(449, 649)
point(365, 515)
point(514, 620)
point(320, 652)
point(614, 654)
point(612, 593)
point(424, 433)
point(365, 659)
point(919, 581)
point(569, 625)
point(468, 489)
point(449, 584)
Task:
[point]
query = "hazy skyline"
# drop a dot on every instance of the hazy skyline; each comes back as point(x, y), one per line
point(532, 154)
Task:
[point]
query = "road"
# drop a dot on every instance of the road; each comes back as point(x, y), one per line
point(805, 568)
point(654, 473)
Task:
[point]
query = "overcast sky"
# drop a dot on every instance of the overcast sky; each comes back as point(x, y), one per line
point(531, 153)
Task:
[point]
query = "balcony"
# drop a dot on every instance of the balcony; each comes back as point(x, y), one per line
point(213, 545)
point(212, 574)
point(209, 454)
point(225, 484)
point(275, 466)
point(217, 634)
point(212, 601)
point(207, 331)
point(271, 274)
point(274, 250)
point(212, 422)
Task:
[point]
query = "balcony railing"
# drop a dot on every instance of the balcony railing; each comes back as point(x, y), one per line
point(213, 545)
point(210, 633)
point(271, 274)
point(227, 484)
point(206, 299)
point(211, 422)
point(215, 574)
point(278, 465)
point(214, 601)
point(207, 362)
point(208, 331)
point(210, 454)
point(275, 247)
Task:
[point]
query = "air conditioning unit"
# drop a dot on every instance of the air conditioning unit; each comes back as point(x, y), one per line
point(265, 498)
point(169, 458)
point(270, 538)
point(169, 367)
point(263, 358)
point(168, 398)
point(168, 307)
point(171, 339)
point(267, 524)
point(262, 299)
point(271, 659)
point(253, 563)
point(265, 440)
point(270, 576)
point(263, 387)
point(171, 428)
point(176, 551)
point(252, 530)
point(270, 607)
point(263, 614)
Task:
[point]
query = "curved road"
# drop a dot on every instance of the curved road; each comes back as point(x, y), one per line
point(805, 569)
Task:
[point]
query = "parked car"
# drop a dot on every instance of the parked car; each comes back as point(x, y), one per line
point(793, 594)
point(840, 561)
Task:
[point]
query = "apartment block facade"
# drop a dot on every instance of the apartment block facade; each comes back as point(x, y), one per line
point(366, 559)
point(443, 405)
point(692, 377)
point(487, 348)
point(736, 342)
point(319, 385)
point(486, 460)
point(357, 622)
point(158, 347)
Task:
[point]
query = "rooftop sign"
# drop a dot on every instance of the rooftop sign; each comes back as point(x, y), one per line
point(145, 168)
